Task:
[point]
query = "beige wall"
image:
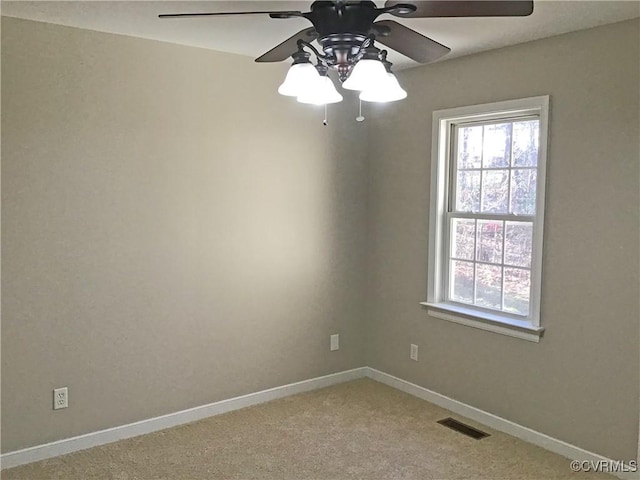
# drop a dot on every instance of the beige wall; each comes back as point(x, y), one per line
point(580, 383)
point(174, 231)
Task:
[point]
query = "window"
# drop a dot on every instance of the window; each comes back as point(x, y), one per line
point(486, 217)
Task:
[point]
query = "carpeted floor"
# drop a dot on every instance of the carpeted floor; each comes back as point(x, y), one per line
point(356, 430)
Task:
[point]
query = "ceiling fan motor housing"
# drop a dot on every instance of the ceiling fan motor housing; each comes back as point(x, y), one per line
point(342, 28)
point(340, 49)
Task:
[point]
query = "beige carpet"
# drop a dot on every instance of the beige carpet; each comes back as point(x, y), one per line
point(356, 430)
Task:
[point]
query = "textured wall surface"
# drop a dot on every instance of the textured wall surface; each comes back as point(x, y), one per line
point(580, 383)
point(174, 231)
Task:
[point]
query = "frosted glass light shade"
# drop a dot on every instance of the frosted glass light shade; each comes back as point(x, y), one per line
point(323, 92)
point(300, 78)
point(366, 75)
point(388, 91)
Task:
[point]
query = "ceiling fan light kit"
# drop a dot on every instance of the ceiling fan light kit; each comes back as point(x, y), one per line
point(346, 31)
point(369, 75)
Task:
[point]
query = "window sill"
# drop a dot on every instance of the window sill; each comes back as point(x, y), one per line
point(485, 321)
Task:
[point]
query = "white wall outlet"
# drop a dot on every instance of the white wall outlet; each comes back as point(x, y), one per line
point(60, 398)
point(335, 342)
point(414, 352)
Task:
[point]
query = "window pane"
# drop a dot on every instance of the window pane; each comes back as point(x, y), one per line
point(517, 243)
point(489, 241)
point(523, 191)
point(496, 145)
point(470, 147)
point(468, 192)
point(463, 238)
point(525, 143)
point(461, 285)
point(488, 286)
point(517, 288)
point(495, 191)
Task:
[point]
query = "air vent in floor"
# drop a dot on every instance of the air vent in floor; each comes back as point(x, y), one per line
point(462, 428)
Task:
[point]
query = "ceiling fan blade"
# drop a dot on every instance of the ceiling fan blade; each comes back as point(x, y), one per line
point(408, 42)
point(284, 14)
point(460, 8)
point(289, 46)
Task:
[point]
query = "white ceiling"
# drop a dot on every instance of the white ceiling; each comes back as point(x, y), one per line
point(253, 35)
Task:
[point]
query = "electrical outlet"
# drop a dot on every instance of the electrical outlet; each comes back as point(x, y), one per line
point(60, 398)
point(414, 352)
point(335, 342)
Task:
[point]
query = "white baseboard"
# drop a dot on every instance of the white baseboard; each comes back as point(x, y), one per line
point(102, 437)
point(528, 435)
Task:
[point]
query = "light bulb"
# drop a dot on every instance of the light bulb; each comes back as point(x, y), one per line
point(387, 91)
point(321, 93)
point(299, 79)
point(367, 74)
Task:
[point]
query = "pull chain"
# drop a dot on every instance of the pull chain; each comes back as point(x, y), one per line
point(359, 118)
point(324, 122)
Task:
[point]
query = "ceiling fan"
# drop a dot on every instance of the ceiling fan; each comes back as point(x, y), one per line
point(346, 31)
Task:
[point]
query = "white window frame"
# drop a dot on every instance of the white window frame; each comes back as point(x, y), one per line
point(527, 328)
